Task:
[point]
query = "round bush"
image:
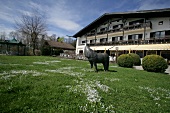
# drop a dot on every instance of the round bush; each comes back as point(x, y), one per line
point(154, 63)
point(136, 59)
point(125, 60)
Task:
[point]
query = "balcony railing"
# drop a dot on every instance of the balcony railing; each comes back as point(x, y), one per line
point(126, 28)
point(161, 40)
point(90, 34)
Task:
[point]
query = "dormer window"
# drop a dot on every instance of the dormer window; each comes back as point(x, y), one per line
point(160, 23)
point(102, 29)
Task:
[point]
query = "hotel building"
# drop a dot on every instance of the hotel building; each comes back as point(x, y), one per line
point(142, 32)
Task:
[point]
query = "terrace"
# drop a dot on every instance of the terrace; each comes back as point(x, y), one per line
point(120, 28)
point(152, 40)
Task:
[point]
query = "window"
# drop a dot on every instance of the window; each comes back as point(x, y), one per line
point(160, 23)
point(81, 52)
point(83, 42)
point(167, 32)
point(130, 37)
point(121, 37)
point(113, 38)
point(118, 26)
point(116, 39)
point(162, 34)
point(136, 22)
point(135, 37)
point(158, 34)
point(103, 40)
point(140, 36)
point(92, 41)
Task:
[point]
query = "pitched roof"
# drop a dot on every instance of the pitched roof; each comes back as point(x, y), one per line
point(133, 14)
point(60, 45)
point(14, 41)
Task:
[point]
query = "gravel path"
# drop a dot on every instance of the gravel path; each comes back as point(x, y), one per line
point(140, 68)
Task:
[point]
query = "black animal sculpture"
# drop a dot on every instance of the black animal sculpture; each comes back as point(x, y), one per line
point(95, 58)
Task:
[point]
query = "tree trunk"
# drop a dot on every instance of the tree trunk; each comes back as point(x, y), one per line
point(34, 49)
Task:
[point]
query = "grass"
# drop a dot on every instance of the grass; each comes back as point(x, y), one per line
point(51, 84)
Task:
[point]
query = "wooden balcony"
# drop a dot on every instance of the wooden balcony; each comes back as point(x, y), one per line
point(90, 34)
point(126, 28)
point(161, 40)
point(138, 26)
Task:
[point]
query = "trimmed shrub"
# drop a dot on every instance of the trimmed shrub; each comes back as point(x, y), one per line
point(125, 60)
point(154, 63)
point(136, 59)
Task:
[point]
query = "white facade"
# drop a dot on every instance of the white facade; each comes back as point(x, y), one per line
point(156, 26)
point(142, 32)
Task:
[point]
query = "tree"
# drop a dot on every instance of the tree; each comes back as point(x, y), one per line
point(53, 37)
point(32, 26)
point(60, 39)
point(14, 34)
point(2, 36)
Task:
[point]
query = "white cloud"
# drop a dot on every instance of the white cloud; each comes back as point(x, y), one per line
point(6, 29)
point(66, 24)
point(58, 34)
point(34, 5)
point(25, 12)
point(153, 4)
point(68, 16)
point(5, 15)
point(61, 16)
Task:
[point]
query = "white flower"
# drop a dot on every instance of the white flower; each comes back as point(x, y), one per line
point(104, 88)
point(13, 73)
point(41, 63)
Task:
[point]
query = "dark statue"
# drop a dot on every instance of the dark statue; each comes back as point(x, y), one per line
point(95, 58)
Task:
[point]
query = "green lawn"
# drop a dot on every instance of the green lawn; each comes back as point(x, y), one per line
point(51, 84)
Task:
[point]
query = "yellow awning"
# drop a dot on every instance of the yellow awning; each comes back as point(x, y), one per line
point(154, 47)
point(100, 47)
point(124, 47)
point(134, 47)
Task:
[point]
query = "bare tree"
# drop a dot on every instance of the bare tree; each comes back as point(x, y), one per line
point(52, 37)
point(16, 35)
point(3, 36)
point(32, 26)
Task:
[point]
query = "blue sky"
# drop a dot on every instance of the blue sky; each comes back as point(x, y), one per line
point(66, 17)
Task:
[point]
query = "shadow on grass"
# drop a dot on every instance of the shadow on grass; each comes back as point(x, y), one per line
point(100, 70)
point(166, 73)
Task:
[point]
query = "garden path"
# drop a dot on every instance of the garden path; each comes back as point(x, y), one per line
point(140, 68)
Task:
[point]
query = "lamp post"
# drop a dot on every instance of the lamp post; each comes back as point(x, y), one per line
point(124, 21)
point(117, 48)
